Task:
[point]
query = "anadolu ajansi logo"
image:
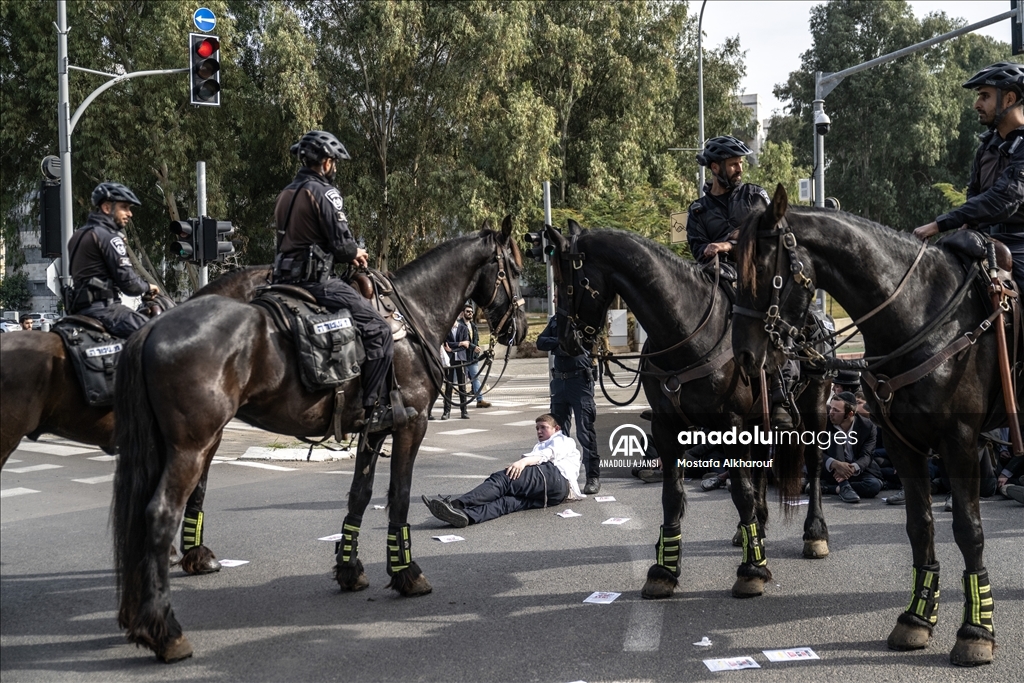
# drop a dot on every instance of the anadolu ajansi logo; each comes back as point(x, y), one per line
point(628, 441)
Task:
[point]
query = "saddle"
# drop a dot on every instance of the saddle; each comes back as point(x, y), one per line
point(970, 246)
point(377, 288)
point(93, 353)
point(330, 351)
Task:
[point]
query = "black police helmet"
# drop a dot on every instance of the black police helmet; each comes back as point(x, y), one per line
point(317, 145)
point(113, 192)
point(1007, 76)
point(717, 150)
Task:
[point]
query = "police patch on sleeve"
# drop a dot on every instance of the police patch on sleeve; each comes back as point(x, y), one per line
point(118, 244)
point(335, 197)
point(761, 191)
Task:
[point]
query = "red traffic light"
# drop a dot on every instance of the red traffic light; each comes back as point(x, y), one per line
point(207, 47)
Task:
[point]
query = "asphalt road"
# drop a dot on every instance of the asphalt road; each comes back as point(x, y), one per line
point(508, 600)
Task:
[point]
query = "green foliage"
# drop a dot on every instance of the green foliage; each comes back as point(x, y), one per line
point(954, 196)
point(775, 165)
point(15, 294)
point(897, 129)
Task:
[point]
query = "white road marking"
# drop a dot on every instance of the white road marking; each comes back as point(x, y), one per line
point(433, 449)
point(474, 455)
point(261, 465)
point(463, 432)
point(53, 448)
point(9, 493)
point(96, 480)
point(489, 413)
point(521, 423)
point(33, 468)
point(104, 458)
point(11, 461)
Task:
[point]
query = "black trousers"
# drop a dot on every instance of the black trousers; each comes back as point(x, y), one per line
point(456, 376)
point(500, 494)
point(575, 396)
point(377, 342)
point(119, 320)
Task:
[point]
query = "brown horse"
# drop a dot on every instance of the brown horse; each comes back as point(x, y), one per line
point(183, 377)
point(41, 394)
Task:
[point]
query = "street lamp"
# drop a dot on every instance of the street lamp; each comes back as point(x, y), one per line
point(700, 96)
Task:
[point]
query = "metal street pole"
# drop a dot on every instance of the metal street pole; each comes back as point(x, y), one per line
point(824, 83)
point(547, 263)
point(204, 270)
point(64, 140)
point(700, 96)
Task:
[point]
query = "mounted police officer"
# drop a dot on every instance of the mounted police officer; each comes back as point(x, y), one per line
point(312, 234)
point(995, 192)
point(100, 267)
point(714, 220)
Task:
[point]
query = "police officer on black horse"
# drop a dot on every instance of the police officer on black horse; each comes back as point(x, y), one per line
point(100, 267)
point(313, 234)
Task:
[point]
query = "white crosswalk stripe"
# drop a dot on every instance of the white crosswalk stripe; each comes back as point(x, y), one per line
point(96, 480)
point(33, 468)
point(10, 493)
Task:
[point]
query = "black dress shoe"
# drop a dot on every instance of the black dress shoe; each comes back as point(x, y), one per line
point(443, 510)
point(593, 485)
point(847, 494)
point(444, 416)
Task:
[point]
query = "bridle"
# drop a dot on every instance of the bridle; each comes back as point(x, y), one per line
point(506, 261)
point(584, 333)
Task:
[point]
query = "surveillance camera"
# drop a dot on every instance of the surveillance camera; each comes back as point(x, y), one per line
point(822, 123)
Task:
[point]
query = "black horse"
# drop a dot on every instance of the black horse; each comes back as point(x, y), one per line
point(41, 394)
point(186, 375)
point(911, 304)
point(691, 380)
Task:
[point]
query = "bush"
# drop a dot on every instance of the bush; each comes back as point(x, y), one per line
point(15, 294)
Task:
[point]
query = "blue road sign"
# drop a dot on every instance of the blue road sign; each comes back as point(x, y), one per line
point(204, 19)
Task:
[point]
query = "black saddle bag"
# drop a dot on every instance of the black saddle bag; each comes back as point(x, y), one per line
point(330, 349)
point(93, 355)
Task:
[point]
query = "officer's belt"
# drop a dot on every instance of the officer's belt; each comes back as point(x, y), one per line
point(582, 372)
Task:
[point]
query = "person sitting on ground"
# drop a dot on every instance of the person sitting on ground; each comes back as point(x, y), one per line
point(849, 469)
point(545, 476)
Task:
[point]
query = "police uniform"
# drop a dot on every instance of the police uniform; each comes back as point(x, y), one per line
point(101, 270)
point(572, 392)
point(995, 194)
point(714, 218)
point(311, 220)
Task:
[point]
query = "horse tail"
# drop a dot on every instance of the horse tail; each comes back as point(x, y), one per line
point(788, 469)
point(140, 466)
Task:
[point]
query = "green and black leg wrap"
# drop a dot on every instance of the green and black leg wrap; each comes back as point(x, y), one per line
point(347, 549)
point(192, 530)
point(923, 609)
point(666, 550)
point(753, 546)
point(978, 601)
point(399, 548)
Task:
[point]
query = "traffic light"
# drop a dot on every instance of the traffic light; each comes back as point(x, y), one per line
point(49, 218)
point(216, 239)
point(204, 69)
point(188, 240)
point(534, 246)
point(1017, 31)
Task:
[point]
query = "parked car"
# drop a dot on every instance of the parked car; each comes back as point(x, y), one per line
point(8, 326)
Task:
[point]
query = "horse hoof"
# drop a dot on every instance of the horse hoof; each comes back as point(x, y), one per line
point(909, 637)
point(737, 539)
point(176, 651)
point(355, 585)
point(199, 560)
point(815, 550)
point(972, 652)
point(748, 587)
point(419, 586)
point(656, 589)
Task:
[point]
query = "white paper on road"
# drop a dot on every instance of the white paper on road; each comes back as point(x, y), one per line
point(616, 520)
point(794, 654)
point(604, 499)
point(703, 642)
point(450, 538)
point(379, 507)
point(798, 502)
point(731, 664)
point(566, 514)
point(233, 563)
point(602, 598)
point(332, 537)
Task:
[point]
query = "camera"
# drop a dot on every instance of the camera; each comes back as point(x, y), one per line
point(822, 123)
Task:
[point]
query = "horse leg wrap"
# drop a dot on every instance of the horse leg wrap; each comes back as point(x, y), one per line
point(977, 600)
point(666, 550)
point(192, 530)
point(924, 602)
point(399, 548)
point(347, 549)
point(753, 547)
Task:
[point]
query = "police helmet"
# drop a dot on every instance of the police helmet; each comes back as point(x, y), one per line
point(113, 192)
point(717, 150)
point(317, 145)
point(1002, 76)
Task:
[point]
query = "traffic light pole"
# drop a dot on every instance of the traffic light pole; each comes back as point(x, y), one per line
point(547, 263)
point(66, 124)
point(204, 270)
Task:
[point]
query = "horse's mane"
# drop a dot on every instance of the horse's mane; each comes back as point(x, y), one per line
point(422, 264)
point(746, 244)
point(228, 280)
point(662, 252)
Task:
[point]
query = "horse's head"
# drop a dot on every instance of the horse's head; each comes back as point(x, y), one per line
point(583, 295)
point(775, 291)
point(498, 289)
